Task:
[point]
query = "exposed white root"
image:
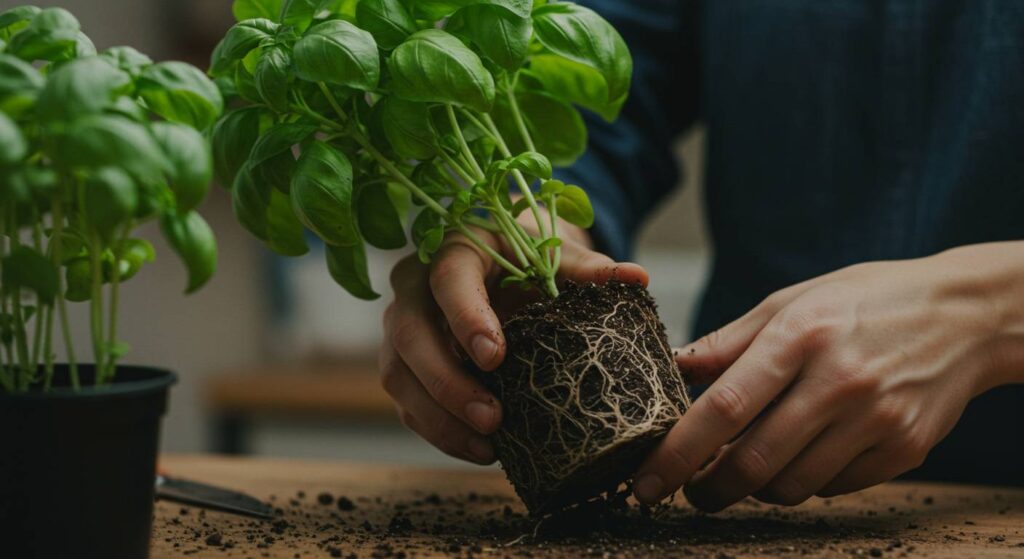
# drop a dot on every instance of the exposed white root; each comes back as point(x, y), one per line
point(573, 381)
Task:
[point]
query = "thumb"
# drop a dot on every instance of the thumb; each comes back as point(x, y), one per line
point(582, 266)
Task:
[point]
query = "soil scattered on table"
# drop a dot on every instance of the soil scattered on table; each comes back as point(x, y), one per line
point(429, 524)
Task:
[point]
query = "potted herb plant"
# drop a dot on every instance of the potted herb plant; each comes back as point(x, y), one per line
point(353, 114)
point(92, 145)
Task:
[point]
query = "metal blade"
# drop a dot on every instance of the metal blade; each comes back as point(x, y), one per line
point(210, 497)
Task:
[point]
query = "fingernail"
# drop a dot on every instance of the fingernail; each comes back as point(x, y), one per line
point(481, 415)
point(480, 449)
point(484, 349)
point(648, 488)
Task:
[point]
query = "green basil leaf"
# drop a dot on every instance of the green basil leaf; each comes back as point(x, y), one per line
point(574, 83)
point(190, 162)
point(13, 146)
point(430, 179)
point(111, 198)
point(132, 255)
point(532, 164)
point(300, 14)
point(348, 267)
point(127, 59)
point(272, 161)
point(437, 9)
point(52, 34)
point(24, 184)
point(435, 66)
point(574, 206)
point(427, 234)
point(18, 79)
point(552, 188)
point(192, 239)
point(284, 231)
point(322, 194)
point(501, 36)
point(379, 220)
point(16, 19)
point(272, 77)
point(249, 201)
point(267, 214)
point(26, 268)
point(78, 280)
point(179, 92)
point(580, 35)
point(251, 9)
point(552, 242)
point(83, 86)
point(19, 86)
point(387, 20)
point(520, 206)
point(408, 128)
point(95, 141)
point(245, 84)
point(278, 140)
point(556, 128)
point(339, 53)
point(239, 41)
point(233, 138)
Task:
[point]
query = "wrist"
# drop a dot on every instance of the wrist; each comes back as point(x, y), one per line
point(990, 278)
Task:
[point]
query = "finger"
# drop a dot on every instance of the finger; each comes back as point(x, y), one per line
point(707, 358)
point(412, 327)
point(819, 463)
point(774, 440)
point(419, 412)
point(457, 279)
point(722, 412)
point(582, 265)
point(874, 466)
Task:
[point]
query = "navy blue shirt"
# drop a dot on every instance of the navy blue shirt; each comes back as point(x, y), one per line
point(839, 131)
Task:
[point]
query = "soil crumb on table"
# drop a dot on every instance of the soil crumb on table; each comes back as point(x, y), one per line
point(433, 524)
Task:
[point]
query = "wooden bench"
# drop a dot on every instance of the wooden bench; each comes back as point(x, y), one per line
point(335, 392)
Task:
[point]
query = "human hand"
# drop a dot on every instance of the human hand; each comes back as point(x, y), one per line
point(458, 296)
point(841, 382)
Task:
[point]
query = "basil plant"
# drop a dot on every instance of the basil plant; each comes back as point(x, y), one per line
point(352, 115)
point(91, 146)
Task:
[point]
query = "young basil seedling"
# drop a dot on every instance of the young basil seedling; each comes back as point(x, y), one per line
point(347, 111)
point(91, 146)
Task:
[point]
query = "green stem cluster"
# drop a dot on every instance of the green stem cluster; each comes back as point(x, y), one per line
point(20, 365)
point(531, 264)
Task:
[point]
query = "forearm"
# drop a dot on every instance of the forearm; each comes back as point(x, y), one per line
point(990, 277)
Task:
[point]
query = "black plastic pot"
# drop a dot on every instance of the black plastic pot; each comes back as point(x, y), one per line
point(77, 468)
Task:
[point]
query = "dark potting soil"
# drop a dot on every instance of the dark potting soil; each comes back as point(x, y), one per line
point(589, 385)
point(471, 525)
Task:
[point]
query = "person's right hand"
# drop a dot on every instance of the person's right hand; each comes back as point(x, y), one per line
point(457, 296)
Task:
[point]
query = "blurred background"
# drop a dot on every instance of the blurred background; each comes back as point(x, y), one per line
point(273, 357)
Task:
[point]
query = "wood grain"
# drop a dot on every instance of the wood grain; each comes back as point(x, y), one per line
point(321, 391)
point(473, 512)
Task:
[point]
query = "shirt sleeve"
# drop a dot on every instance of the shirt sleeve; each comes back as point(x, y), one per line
point(629, 165)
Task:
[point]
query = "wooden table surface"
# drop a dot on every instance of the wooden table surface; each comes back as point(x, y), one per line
point(405, 512)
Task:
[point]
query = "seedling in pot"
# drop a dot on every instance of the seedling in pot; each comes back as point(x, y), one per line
point(92, 145)
point(351, 114)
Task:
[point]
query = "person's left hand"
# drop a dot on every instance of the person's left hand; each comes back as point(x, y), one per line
point(838, 383)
